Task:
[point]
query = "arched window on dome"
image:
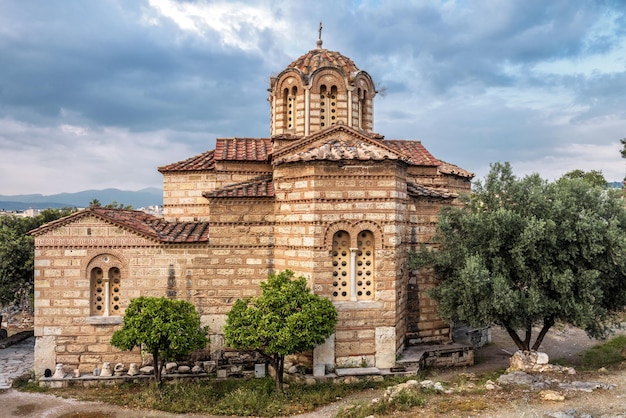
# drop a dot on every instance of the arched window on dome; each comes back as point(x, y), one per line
point(328, 105)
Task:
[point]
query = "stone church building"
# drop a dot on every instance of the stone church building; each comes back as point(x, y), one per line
point(323, 195)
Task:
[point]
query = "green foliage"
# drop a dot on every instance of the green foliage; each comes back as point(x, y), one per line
point(165, 328)
point(593, 177)
point(286, 319)
point(17, 252)
point(525, 252)
point(605, 355)
point(113, 205)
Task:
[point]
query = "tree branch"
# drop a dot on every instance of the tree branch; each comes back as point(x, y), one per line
point(548, 322)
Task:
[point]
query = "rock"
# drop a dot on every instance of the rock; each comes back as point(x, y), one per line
point(171, 367)
point(132, 369)
point(310, 381)
point(106, 370)
point(209, 366)
point(528, 360)
point(551, 395)
point(516, 378)
point(197, 369)
point(58, 372)
point(490, 385)
point(184, 369)
point(118, 369)
point(147, 370)
point(585, 386)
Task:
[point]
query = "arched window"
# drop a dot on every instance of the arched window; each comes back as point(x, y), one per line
point(341, 266)
point(105, 285)
point(353, 268)
point(365, 265)
point(362, 97)
point(328, 106)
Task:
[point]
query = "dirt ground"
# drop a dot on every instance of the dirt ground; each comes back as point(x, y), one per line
point(562, 343)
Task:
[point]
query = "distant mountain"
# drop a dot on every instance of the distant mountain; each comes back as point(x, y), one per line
point(137, 199)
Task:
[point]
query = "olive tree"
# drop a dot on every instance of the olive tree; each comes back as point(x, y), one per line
point(163, 327)
point(286, 319)
point(525, 252)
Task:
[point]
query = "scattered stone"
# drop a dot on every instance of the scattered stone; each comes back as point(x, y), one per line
point(170, 367)
point(570, 413)
point(516, 378)
point(147, 370)
point(551, 395)
point(490, 385)
point(586, 386)
point(118, 369)
point(209, 366)
point(58, 372)
point(197, 369)
point(132, 369)
point(184, 369)
point(106, 370)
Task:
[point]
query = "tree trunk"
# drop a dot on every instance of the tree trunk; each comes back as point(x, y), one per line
point(522, 345)
point(548, 322)
point(157, 369)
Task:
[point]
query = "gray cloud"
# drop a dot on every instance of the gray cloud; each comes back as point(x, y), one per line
point(112, 88)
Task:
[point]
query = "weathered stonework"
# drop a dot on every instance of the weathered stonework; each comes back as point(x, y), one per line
point(324, 196)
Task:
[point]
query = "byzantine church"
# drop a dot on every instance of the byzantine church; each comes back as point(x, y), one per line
point(324, 196)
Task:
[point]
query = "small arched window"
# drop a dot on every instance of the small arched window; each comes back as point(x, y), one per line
point(341, 266)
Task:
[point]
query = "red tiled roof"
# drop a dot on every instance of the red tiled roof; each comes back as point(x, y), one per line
point(201, 162)
point(447, 168)
point(140, 222)
point(417, 190)
point(242, 149)
point(318, 58)
point(262, 186)
point(414, 150)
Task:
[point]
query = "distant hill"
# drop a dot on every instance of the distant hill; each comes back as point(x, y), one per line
point(137, 199)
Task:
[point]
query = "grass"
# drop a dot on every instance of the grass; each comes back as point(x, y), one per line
point(242, 397)
point(604, 355)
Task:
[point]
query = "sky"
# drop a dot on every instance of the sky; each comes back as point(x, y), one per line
point(98, 94)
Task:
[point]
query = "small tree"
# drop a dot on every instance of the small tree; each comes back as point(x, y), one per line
point(286, 319)
point(527, 252)
point(165, 328)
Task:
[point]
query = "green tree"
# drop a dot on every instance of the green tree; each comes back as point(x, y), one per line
point(593, 177)
point(95, 203)
point(165, 328)
point(17, 252)
point(286, 319)
point(526, 252)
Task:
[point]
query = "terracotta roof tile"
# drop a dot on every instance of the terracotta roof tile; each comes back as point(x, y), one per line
point(262, 186)
point(417, 190)
point(140, 222)
point(201, 162)
point(448, 168)
point(319, 58)
point(242, 149)
point(414, 150)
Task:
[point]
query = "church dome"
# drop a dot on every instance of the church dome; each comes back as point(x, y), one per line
point(320, 58)
point(320, 89)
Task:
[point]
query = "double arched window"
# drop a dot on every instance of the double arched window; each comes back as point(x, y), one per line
point(353, 268)
point(105, 282)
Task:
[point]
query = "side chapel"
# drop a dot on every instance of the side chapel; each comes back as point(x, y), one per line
point(324, 196)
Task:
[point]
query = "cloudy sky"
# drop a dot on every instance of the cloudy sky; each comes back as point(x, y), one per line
point(98, 94)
